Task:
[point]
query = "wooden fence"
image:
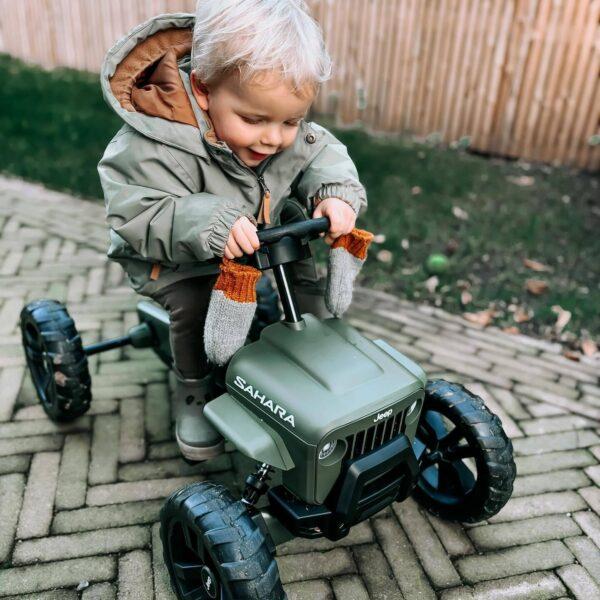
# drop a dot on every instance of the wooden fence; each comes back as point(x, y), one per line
point(516, 78)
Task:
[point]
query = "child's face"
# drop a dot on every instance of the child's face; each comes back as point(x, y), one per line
point(255, 119)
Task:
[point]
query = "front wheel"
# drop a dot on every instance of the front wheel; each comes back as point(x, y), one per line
point(214, 550)
point(466, 460)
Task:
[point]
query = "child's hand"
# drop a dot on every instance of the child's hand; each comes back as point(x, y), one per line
point(341, 217)
point(242, 239)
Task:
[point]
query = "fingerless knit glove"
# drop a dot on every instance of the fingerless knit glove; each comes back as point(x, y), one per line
point(346, 258)
point(230, 311)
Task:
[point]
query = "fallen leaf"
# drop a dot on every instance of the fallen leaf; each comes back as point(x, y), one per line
point(459, 213)
point(536, 286)
point(405, 244)
point(521, 180)
point(379, 238)
point(511, 330)
point(415, 190)
point(466, 297)
point(451, 246)
point(562, 317)
point(483, 318)
point(589, 347)
point(572, 355)
point(384, 256)
point(522, 316)
point(432, 283)
point(535, 265)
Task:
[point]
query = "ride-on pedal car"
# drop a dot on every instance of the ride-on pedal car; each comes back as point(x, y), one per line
point(340, 425)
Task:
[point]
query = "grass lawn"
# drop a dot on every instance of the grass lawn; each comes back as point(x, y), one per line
point(487, 216)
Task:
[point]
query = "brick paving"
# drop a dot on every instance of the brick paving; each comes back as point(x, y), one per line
point(80, 501)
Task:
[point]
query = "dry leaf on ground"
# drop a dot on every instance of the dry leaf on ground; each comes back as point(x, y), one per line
point(415, 190)
point(522, 316)
point(466, 297)
point(562, 317)
point(379, 238)
point(536, 286)
point(460, 213)
point(572, 355)
point(432, 283)
point(511, 330)
point(521, 180)
point(589, 347)
point(535, 265)
point(483, 317)
point(384, 256)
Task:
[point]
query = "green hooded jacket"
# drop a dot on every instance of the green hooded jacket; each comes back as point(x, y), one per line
point(172, 190)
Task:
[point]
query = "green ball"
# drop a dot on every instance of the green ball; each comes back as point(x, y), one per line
point(437, 264)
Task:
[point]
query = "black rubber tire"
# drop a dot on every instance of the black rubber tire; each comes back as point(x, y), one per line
point(236, 550)
point(490, 448)
point(57, 362)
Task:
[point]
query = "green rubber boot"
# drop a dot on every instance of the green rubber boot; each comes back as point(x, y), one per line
point(197, 438)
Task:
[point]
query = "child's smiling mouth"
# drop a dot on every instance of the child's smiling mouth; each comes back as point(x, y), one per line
point(258, 155)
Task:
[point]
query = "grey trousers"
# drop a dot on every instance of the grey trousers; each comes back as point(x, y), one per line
point(187, 301)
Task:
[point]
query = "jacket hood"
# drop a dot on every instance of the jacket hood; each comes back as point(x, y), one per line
point(146, 74)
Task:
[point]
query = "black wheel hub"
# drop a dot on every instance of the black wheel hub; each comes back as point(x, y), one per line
point(443, 474)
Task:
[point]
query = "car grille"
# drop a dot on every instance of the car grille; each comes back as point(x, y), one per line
point(372, 438)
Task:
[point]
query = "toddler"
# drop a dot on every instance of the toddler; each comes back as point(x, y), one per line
point(215, 143)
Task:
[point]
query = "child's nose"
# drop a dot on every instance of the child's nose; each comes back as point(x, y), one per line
point(272, 136)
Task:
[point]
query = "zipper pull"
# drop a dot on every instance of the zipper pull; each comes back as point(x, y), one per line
point(265, 207)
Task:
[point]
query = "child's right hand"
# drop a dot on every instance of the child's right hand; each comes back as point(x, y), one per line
point(242, 239)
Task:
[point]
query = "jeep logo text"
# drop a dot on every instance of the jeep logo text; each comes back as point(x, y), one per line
point(383, 415)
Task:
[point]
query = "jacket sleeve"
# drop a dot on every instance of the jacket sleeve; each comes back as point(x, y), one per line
point(331, 173)
point(149, 204)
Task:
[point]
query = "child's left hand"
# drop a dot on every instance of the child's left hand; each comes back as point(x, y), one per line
point(341, 217)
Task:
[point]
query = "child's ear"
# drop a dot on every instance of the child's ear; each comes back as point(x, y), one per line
point(200, 91)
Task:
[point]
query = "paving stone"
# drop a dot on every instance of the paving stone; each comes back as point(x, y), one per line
point(592, 497)
point(11, 497)
point(162, 586)
point(58, 547)
point(540, 483)
point(349, 587)
point(158, 413)
point(163, 450)
point(150, 489)
point(101, 517)
point(98, 407)
point(590, 523)
point(375, 571)
point(528, 507)
point(476, 373)
point(14, 464)
point(579, 582)
point(105, 449)
point(36, 578)
point(132, 445)
point(309, 590)
point(546, 463)
point(72, 476)
point(533, 586)
point(514, 561)
point(404, 563)
point(594, 474)
point(515, 533)
point(552, 425)
point(10, 384)
point(112, 392)
point(454, 539)
point(551, 442)
point(38, 500)
point(135, 576)
point(568, 403)
point(359, 534)
point(99, 591)
point(587, 554)
point(426, 544)
point(159, 469)
point(299, 567)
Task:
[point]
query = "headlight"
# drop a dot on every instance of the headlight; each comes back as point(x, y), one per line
point(411, 408)
point(327, 450)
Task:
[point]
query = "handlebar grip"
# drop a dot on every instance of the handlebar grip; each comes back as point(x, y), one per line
point(310, 227)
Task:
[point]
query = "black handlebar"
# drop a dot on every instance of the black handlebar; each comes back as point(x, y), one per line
point(309, 228)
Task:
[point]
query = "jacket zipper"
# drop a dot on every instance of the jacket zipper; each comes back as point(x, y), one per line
point(265, 193)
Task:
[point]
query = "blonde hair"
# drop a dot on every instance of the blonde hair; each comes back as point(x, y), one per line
point(257, 36)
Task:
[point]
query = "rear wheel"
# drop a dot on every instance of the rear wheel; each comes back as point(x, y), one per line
point(214, 550)
point(466, 460)
point(57, 362)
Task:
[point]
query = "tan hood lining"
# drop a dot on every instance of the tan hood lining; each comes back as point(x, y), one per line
point(147, 80)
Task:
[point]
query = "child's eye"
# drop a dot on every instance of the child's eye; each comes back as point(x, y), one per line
point(250, 121)
point(293, 123)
